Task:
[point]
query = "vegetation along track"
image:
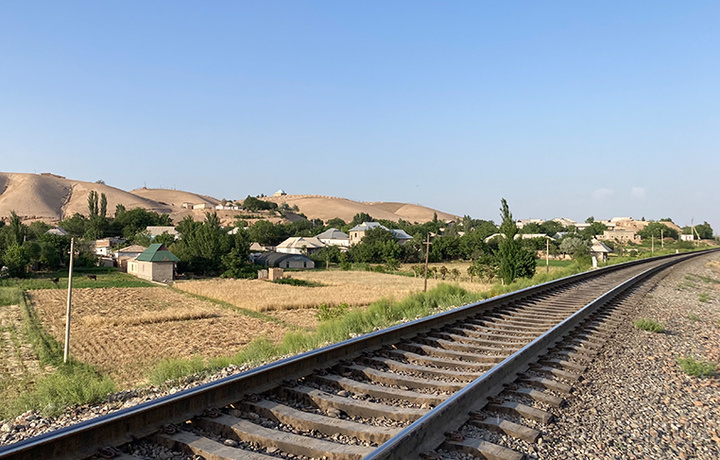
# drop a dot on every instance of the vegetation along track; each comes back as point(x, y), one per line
point(393, 394)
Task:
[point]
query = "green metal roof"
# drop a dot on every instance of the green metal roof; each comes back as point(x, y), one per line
point(157, 253)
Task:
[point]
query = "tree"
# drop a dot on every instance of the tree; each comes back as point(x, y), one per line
point(361, 217)
point(16, 260)
point(335, 222)
point(595, 228)
point(513, 260)
point(704, 230)
point(575, 247)
point(657, 229)
point(17, 229)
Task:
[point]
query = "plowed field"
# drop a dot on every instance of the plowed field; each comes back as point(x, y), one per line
point(123, 330)
point(356, 288)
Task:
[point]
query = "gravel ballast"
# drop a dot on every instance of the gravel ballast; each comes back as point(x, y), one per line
point(636, 401)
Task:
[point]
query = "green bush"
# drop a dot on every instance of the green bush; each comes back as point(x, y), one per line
point(695, 368)
point(298, 282)
point(71, 383)
point(326, 312)
point(648, 325)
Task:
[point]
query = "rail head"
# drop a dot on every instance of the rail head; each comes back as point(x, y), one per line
point(126, 425)
point(427, 432)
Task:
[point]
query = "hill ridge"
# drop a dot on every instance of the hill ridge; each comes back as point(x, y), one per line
point(50, 198)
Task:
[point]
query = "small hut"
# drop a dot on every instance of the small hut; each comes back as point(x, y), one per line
point(156, 263)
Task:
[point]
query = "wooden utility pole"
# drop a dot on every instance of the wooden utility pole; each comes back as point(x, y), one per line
point(427, 257)
point(547, 255)
point(69, 302)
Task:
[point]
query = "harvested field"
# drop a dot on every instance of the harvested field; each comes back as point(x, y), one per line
point(355, 288)
point(124, 330)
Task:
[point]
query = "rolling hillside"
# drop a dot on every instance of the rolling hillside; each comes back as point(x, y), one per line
point(50, 198)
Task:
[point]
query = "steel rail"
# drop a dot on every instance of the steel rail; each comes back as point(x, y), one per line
point(85, 438)
point(427, 433)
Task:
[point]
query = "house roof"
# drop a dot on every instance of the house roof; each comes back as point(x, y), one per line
point(401, 234)
point(365, 226)
point(135, 248)
point(157, 253)
point(157, 230)
point(300, 242)
point(57, 231)
point(332, 234)
point(274, 258)
point(598, 246)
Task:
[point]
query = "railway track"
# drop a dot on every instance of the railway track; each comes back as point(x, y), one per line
point(399, 393)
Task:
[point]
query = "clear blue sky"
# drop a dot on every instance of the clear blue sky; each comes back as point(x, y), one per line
point(564, 108)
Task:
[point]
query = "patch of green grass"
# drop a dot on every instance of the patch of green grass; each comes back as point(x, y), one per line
point(704, 297)
point(298, 282)
point(105, 277)
point(66, 384)
point(174, 368)
point(696, 368)
point(648, 325)
point(10, 296)
point(693, 317)
point(705, 279)
point(327, 312)
point(686, 285)
point(69, 384)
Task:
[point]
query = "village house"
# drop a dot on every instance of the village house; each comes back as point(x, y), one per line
point(599, 250)
point(156, 263)
point(157, 230)
point(124, 255)
point(300, 245)
point(334, 237)
point(280, 192)
point(357, 233)
point(284, 260)
point(619, 235)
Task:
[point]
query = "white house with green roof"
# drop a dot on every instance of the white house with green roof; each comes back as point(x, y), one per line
point(156, 263)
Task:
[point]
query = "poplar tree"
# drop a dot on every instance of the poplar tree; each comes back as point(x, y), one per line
point(514, 261)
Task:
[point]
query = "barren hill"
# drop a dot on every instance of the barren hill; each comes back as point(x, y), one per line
point(50, 198)
point(326, 207)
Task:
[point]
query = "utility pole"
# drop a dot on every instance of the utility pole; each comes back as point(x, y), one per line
point(652, 243)
point(427, 257)
point(662, 239)
point(69, 302)
point(547, 255)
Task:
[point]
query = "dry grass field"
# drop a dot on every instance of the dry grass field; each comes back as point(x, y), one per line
point(123, 330)
point(356, 288)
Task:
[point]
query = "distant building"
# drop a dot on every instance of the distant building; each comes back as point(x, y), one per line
point(300, 245)
point(280, 192)
point(334, 237)
point(157, 230)
point(156, 263)
point(619, 235)
point(124, 255)
point(357, 233)
point(684, 237)
point(57, 231)
point(599, 250)
point(283, 260)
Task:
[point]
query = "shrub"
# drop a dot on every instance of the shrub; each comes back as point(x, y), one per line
point(648, 325)
point(326, 312)
point(695, 368)
point(297, 282)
